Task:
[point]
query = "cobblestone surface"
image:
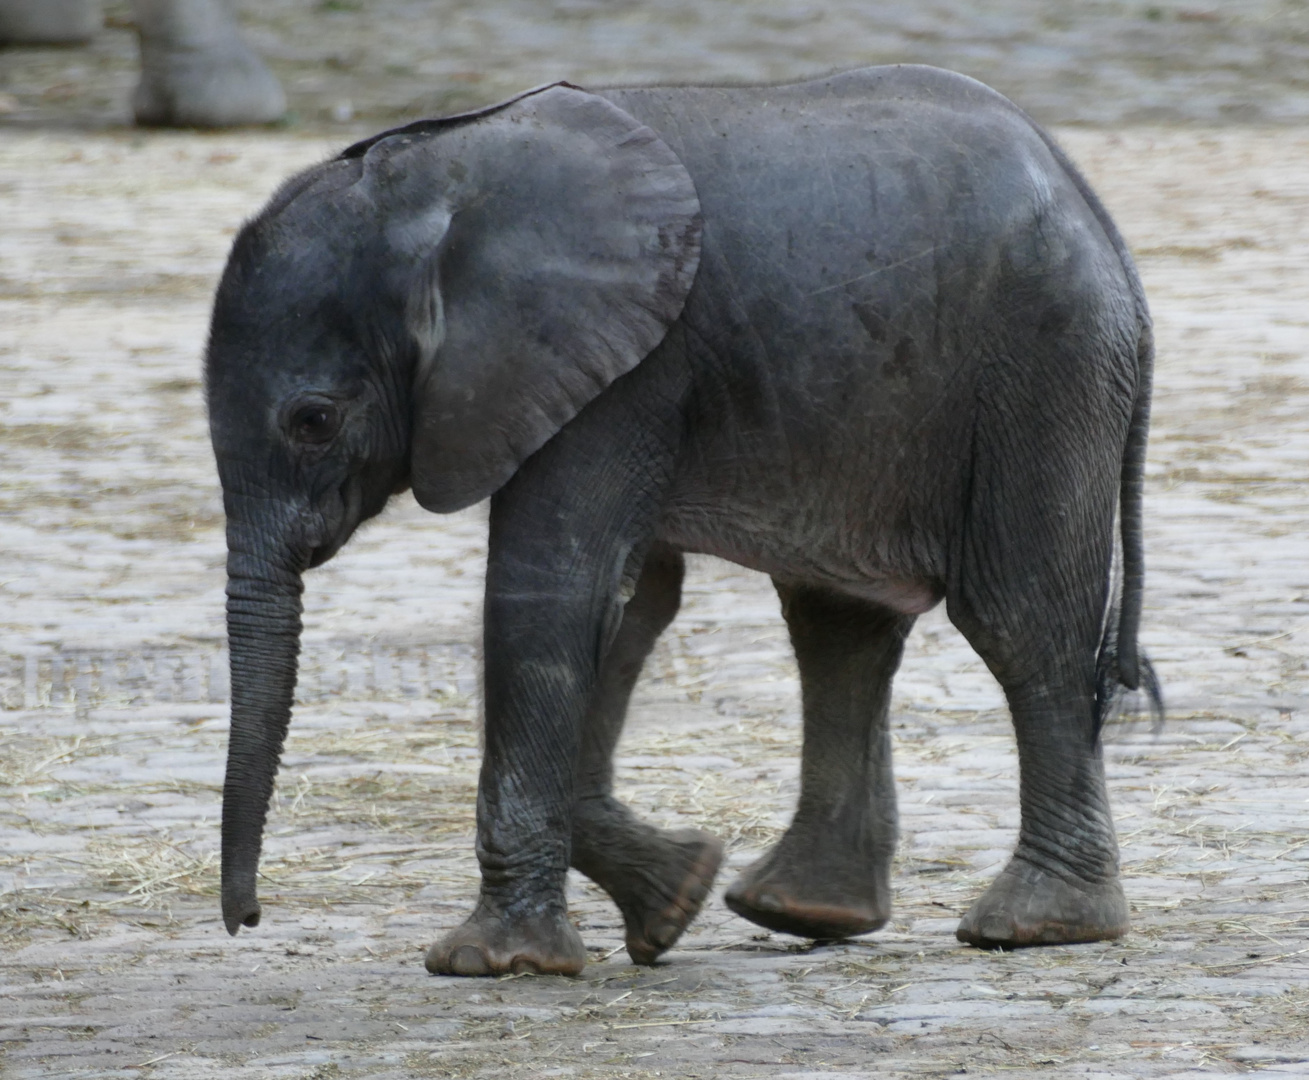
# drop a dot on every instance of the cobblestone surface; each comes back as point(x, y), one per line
point(113, 961)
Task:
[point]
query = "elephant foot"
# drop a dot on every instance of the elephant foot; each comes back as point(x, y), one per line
point(1027, 905)
point(664, 900)
point(208, 92)
point(196, 71)
point(659, 879)
point(804, 888)
point(489, 944)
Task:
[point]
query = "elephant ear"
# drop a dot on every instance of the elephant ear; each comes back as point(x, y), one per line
point(561, 237)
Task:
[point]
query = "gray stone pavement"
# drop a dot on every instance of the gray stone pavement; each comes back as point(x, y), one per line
point(113, 961)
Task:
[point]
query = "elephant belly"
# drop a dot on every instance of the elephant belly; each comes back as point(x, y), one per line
point(905, 596)
point(840, 564)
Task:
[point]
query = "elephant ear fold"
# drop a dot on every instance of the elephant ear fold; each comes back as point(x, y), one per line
point(564, 239)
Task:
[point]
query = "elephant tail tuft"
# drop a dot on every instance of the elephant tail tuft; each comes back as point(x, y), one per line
point(1110, 683)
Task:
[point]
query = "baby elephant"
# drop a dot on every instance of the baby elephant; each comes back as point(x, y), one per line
point(872, 335)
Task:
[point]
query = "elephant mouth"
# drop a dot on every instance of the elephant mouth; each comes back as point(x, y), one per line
point(351, 497)
point(320, 555)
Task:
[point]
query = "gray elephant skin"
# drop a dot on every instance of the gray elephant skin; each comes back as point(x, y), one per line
point(872, 335)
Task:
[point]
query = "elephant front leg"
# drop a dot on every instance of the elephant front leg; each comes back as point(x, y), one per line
point(658, 878)
point(563, 533)
point(537, 678)
point(535, 692)
point(829, 875)
point(544, 625)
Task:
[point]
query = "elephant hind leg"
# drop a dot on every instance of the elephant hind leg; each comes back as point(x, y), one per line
point(658, 878)
point(829, 875)
point(1030, 599)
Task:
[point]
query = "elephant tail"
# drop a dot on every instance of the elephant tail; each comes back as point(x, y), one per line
point(1122, 664)
point(1131, 662)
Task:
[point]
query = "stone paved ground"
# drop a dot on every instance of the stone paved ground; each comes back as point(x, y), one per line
point(112, 959)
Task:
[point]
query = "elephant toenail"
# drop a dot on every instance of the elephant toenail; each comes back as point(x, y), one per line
point(522, 965)
point(469, 960)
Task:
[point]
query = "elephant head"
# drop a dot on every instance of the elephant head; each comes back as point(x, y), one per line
point(425, 310)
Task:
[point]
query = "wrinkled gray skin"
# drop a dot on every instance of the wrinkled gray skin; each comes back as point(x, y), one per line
point(872, 335)
point(195, 69)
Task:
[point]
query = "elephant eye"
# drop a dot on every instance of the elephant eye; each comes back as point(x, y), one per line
point(315, 423)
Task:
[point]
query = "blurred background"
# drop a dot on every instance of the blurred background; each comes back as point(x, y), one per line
point(371, 62)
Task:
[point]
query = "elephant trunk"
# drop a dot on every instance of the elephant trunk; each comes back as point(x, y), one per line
point(263, 632)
